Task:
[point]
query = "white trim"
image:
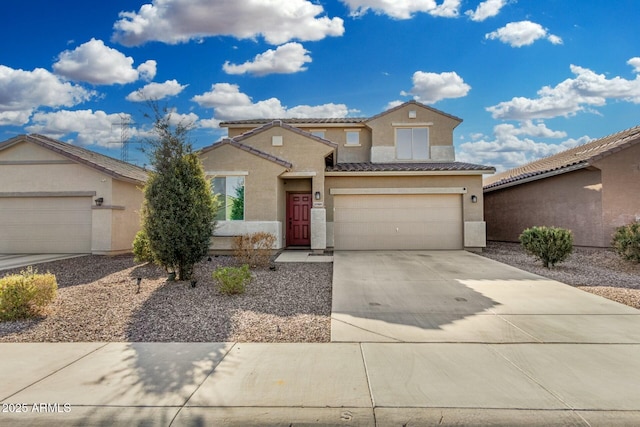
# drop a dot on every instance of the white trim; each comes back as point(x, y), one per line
point(412, 124)
point(429, 190)
point(298, 174)
point(226, 173)
point(277, 140)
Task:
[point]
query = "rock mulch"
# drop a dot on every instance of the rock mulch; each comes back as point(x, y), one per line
point(98, 301)
point(599, 271)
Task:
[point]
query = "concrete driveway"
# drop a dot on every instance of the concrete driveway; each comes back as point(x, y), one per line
point(8, 261)
point(457, 296)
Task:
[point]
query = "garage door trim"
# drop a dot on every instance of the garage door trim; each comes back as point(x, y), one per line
point(408, 191)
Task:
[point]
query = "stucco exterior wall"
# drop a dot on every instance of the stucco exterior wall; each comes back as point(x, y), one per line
point(620, 190)
point(38, 170)
point(572, 200)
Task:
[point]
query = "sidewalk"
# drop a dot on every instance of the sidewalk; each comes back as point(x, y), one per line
point(329, 384)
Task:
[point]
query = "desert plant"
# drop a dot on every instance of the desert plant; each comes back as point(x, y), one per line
point(626, 241)
point(26, 294)
point(254, 249)
point(232, 280)
point(179, 208)
point(551, 245)
point(141, 249)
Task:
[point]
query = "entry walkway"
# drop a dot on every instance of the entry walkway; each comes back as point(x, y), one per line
point(563, 360)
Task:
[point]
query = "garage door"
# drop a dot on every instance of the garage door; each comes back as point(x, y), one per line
point(408, 221)
point(45, 225)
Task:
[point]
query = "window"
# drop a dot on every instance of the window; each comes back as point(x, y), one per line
point(230, 192)
point(412, 143)
point(318, 133)
point(353, 138)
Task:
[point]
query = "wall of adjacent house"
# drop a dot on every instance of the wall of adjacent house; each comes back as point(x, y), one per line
point(620, 189)
point(125, 215)
point(571, 200)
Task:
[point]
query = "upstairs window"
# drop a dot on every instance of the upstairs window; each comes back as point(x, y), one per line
point(412, 143)
point(353, 138)
point(230, 193)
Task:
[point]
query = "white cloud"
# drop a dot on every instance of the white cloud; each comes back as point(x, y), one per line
point(21, 92)
point(486, 9)
point(570, 96)
point(89, 127)
point(231, 104)
point(95, 63)
point(513, 146)
point(178, 21)
point(635, 63)
point(286, 59)
point(404, 9)
point(432, 87)
point(522, 33)
point(155, 91)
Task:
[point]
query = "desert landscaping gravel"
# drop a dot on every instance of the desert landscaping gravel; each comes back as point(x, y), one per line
point(599, 271)
point(98, 301)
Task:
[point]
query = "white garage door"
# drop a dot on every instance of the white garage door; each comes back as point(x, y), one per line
point(411, 221)
point(45, 225)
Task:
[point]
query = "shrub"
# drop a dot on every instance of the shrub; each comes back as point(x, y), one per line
point(26, 294)
point(232, 280)
point(626, 241)
point(254, 249)
point(141, 249)
point(551, 245)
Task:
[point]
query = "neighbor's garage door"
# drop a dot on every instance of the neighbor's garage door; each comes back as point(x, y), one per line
point(412, 221)
point(45, 225)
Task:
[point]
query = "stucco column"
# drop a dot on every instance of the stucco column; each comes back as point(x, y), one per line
point(318, 228)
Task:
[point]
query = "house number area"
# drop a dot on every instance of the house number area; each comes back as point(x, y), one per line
point(30, 408)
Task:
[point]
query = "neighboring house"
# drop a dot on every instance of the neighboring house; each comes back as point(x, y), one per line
point(385, 182)
point(60, 198)
point(590, 189)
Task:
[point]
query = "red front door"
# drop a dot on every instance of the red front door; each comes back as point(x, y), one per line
point(298, 219)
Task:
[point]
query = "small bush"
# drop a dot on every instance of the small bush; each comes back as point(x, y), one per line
point(626, 241)
point(141, 248)
point(26, 294)
point(254, 249)
point(551, 245)
point(232, 280)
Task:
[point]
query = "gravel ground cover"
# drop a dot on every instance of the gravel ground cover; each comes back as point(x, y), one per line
point(599, 271)
point(98, 301)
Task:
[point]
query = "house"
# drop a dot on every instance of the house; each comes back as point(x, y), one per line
point(385, 182)
point(61, 198)
point(590, 189)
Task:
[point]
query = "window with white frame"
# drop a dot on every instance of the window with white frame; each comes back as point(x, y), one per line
point(353, 138)
point(412, 143)
point(318, 133)
point(230, 197)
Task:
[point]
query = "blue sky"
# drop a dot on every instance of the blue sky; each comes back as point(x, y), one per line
point(529, 78)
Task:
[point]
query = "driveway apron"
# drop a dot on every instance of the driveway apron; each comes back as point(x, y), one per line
point(457, 296)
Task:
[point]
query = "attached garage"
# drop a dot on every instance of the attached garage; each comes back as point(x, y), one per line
point(60, 198)
point(398, 221)
point(45, 224)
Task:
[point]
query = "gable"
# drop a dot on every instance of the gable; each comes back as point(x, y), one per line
point(25, 151)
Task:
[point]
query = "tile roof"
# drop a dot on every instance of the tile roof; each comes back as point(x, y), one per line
point(248, 149)
point(279, 123)
point(408, 167)
point(108, 165)
point(575, 158)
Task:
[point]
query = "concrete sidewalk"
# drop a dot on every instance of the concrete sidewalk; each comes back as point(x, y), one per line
point(429, 338)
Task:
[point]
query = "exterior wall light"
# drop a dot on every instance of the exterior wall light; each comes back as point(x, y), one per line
point(317, 195)
point(474, 199)
point(99, 201)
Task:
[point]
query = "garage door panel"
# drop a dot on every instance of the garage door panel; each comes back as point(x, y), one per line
point(369, 222)
point(45, 225)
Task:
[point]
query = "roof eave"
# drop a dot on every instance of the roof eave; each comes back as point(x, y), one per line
point(548, 174)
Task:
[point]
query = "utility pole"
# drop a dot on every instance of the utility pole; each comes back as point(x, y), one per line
point(125, 122)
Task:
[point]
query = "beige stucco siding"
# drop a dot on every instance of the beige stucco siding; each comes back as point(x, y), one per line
point(572, 200)
point(620, 189)
point(125, 223)
point(260, 183)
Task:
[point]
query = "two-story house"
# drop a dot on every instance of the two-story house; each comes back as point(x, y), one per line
point(385, 182)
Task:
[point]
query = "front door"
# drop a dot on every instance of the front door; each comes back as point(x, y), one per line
point(299, 219)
